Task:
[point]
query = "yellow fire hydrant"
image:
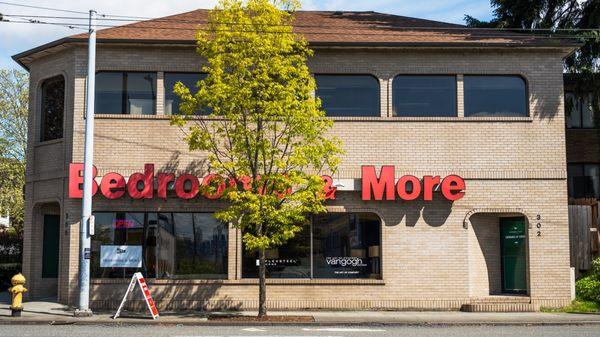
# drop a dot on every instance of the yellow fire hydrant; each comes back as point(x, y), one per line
point(17, 291)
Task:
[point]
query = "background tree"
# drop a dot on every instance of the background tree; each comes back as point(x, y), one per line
point(14, 97)
point(582, 17)
point(266, 129)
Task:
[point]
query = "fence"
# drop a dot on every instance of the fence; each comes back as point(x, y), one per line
point(583, 232)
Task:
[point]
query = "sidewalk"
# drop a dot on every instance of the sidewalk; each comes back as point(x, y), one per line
point(46, 312)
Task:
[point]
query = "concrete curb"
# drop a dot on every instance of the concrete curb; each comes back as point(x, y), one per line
point(129, 322)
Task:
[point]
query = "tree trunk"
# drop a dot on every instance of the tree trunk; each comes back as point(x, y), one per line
point(262, 284)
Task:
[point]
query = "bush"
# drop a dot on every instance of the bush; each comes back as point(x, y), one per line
point(588, 288)
point(7, 271)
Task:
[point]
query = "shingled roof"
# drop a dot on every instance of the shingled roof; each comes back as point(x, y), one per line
point(326, 28)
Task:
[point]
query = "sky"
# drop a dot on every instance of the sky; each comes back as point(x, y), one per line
point(15, 38)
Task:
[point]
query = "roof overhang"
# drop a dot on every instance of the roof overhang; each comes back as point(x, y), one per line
point(24, 58)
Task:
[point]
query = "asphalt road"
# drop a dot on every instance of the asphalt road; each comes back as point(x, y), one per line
point(297, 331)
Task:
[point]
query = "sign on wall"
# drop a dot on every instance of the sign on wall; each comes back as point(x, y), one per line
point(120, 256)
point(375, 186)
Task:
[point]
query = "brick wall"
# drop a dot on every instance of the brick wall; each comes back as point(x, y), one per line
point(430, 260)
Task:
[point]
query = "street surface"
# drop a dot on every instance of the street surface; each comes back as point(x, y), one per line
point(297, 331)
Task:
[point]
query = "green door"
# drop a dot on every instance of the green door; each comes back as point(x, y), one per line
point(50, 246)
point(513, 255)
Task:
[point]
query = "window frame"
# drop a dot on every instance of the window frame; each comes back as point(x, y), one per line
point(312, 277)
point(579, 103)
point(378, 115)
point(527, 95)
point(165, 93)
point(123, 94)
point(582, 166)
point(146, 214)
point(42, 116)
point(392, 96)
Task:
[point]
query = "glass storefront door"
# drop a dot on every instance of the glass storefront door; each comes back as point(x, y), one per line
point(514, 255)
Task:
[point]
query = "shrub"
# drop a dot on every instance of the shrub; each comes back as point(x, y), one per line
point(7, 271)
point(588, 287)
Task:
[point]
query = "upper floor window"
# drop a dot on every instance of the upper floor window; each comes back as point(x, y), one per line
point(495, 96)
point(131, 93)
point(172, 100)
point(579, 111)
point(424, 96)
point(349, 95)
point(53, 108)
point(584, 180)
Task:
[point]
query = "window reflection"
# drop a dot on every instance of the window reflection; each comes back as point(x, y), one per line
point(495, 96)
point(349, 95)
point(172, 100)
point(52, 109)
point(424, 96)
point(125, 93)
point(174, 245)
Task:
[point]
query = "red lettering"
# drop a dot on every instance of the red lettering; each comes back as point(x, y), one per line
point(376, 186)
point(403, 191)
point(246, 182)
point(180, 186)
point(147, 179)
point(163, 184)
point(328, 188)
point(76, 180)
point(453, 187)
point(209, 179)
point(112, 185)
point(429, 183)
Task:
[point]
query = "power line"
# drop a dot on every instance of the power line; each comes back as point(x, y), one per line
point(39, 7)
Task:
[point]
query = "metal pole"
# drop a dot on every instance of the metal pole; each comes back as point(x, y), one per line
point(86, 211)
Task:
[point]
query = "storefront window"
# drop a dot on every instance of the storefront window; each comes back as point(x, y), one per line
point(132, 93)
point(291, 260)
point(174, 245)
point(344, 245)
point(349, 95)
point(495, 96)
point(424, 96)
point(172, 100)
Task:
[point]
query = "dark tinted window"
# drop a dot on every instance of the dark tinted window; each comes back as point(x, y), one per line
point(174, 245)
point(423, 96)
point(579, 110)
point(341, 245)
point(291, 260)
point(584, 180)
point(347, 245)
point(126, 93)
point(349, 95)
point(53, 107)
point(496, 96)
point(172, 101)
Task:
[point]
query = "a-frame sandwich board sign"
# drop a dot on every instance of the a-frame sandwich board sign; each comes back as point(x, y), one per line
point(139, 279)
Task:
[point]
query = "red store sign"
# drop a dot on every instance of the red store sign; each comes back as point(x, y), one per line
point(187, 186)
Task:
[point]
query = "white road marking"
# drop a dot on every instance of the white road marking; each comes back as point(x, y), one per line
point(343, 329)
point(254, 329)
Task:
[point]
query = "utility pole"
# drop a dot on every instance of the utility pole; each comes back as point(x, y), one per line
point(87, 221)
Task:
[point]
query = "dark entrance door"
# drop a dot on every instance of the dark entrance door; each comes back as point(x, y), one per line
point(50, 246)
point(513, 255)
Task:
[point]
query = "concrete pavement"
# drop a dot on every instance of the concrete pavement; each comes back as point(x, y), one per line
point(44, 312)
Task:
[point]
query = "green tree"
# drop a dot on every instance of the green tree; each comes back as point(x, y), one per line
point(14, 97)
point(266, 129)
point(582, 17)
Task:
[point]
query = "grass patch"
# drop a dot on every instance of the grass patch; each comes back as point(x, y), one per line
point(576, 307)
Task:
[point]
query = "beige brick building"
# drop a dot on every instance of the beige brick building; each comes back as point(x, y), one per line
point(411, 254)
